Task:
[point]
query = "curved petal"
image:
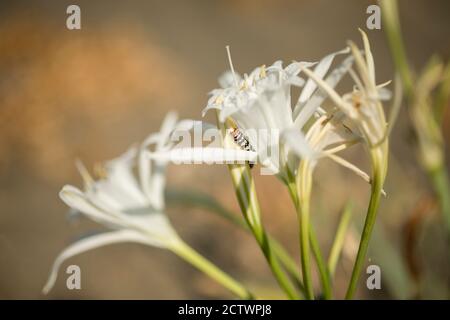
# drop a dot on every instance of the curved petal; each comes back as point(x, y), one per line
point(297, 142)
point(166, 128)
point(332, 94)
point(94, 242)
point(320, 70)
point(77, 200)
point(157, 184)
point(120, 187)
point(303, 112)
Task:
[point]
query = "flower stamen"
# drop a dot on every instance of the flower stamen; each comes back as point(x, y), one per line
point(231, 66)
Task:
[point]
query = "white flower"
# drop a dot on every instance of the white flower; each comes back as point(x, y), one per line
point(260, 104)
point(362, 108)
point(129, 200)
point(363, 105)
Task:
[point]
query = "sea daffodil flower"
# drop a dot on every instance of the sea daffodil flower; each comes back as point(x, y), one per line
point(364, 108)
point(260, 105)
point(129, 200)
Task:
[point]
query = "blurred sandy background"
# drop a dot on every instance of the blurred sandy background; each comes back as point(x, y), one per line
point(91, 93)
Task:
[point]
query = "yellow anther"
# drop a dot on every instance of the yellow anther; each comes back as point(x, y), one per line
point(218, 100)
point(100, 171)
point(262, 72)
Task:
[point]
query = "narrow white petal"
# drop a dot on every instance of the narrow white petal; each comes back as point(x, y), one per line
point(334, 96)
point(210, 107)
point(158, 184)
point(144, 171)
point(362, 67)
point(297, 142)
point(90, 243)
point(350, 166)
point(120, 183)
point(167, 128)
point(76, 199)
point(87, 178)
point(384, 94)
point(303, 112)
point(369, 57)
point(320, 70)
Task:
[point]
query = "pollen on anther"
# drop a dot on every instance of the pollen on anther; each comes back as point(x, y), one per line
point(262, 73)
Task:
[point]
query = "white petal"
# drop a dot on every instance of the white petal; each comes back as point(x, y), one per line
point(210, 107)
point(167, 128)
point(87, 178)
point(145, 171)
point(297, 142)
point(332, 94)
point(158, 184)
point(320, 70)
point(369, 57)
point(158, 228)
point(362, 67)
point(350, 166)
point(77, 200)
point(120, 185)
point(94, 242)
point(336, 134)
point(303, 112)
point(384, 94)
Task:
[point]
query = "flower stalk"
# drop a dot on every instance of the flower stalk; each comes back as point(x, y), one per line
point(304, 184)
point(196, 198)
point(186, 252)
point(339, 238)
point(379, 165)
point(418, 91)
point(395, 40)
point(248, 202)
point(322, 268)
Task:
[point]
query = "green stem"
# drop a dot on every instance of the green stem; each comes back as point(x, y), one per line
point(193, 257)
point(248, 202)
point(442, 96)
point(379, 164)
point(303, 220)
point(323, 271)
point(245, 193)
point(339, 238)
point(304, 185)
point(439, 178)
point(277, 271)
point(288, 263)
point(394, 36)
